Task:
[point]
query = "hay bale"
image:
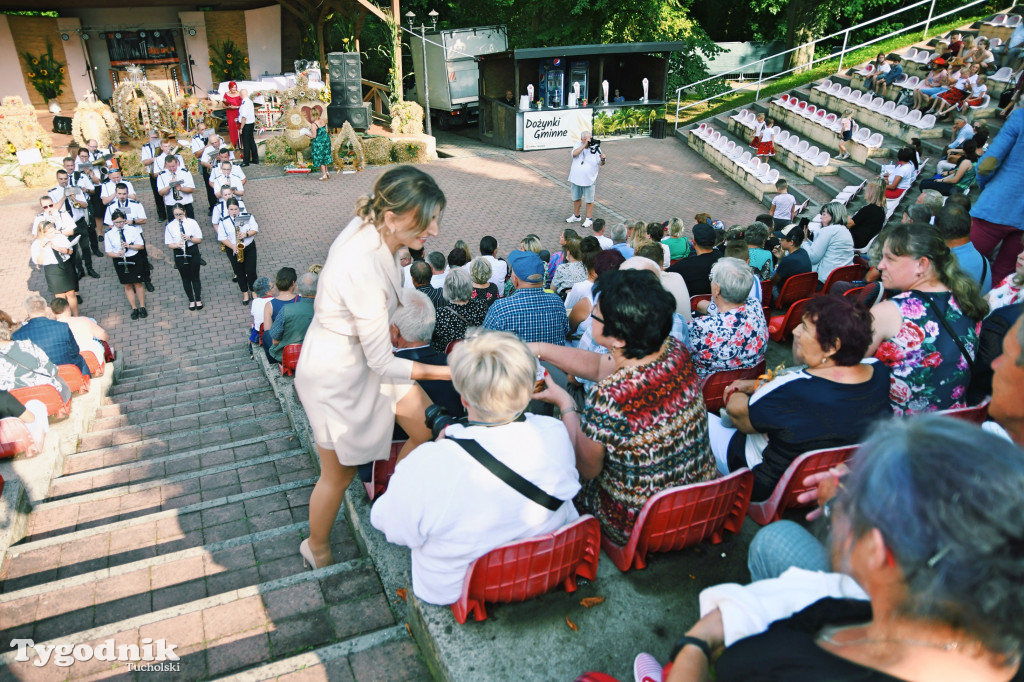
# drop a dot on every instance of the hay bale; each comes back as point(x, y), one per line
point(276, 150)
point(409, 151)
point(38, 175)
point(377, 150)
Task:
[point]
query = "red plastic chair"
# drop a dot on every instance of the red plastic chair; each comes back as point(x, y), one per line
point(95, 368)
point(694, 300)
point(976, 414)
point(780, 327)
point(854, 292)
point(796, 288)
point(714, 384)
point(847, 273)
point(108, 352)
point(680, 517)
point(16, 438)
point(73, 377)
point(766, 291)
point(792, 482)
point(451, 346)
point(48, 395)
point(527, 568)
point(382, 471)
point(290, 358)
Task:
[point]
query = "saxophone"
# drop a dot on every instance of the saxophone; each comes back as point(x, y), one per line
point(240, 254)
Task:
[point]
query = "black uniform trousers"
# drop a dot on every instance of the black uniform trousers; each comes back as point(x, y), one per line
point(245, 272)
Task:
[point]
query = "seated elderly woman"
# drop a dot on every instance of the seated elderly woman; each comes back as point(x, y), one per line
point(828, 403)
point(937, 553)
point(461, 312)
point(832, 246)
point(928, 333)
point(23, 363)
point(735, 336)
point(644, 427)
point(571, 271)
point(448, 508)
point(483, 288)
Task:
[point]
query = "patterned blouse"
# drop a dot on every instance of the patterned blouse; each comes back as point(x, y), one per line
point(1007, 293)
point(454, 320)
point(928, 371)
point(732, 340)
point(23, 363)
point(488, 295)
point(568, 274)
point(654, 427)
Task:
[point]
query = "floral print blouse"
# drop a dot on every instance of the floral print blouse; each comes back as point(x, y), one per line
point(928, 371)
point(1007, 293)
point(736, 339)
point(453, 321)
point(23, 363)
point(654, 427)
point(488, 295)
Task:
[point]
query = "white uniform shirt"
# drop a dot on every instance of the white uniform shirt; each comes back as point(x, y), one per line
point(166, 178)
point(57, 194)
point(44, 255)
point(210, 152)
point(197, 144)
point(450, 510)
point(60, 219)
point(133, 212)
point(132, 236)
point(172, 233)
point(226, 230)
point(247, 111)
point(150, 150)
point(161, 162)
point(220, 210)
point(235, 178)
point(83, 180)
point(109, 188)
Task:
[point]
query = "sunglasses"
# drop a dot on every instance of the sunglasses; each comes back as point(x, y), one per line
point(47, 205)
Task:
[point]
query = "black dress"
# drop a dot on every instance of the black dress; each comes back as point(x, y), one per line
point(868, 222)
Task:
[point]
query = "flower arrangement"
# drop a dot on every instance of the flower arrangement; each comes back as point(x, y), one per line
point(190, 111)
point(407, 118)
point(140, 107)
point(228, 62)
point(45, 73)
point(20, 130)
point(409, 151)
point(348, 150)
point(94, 120)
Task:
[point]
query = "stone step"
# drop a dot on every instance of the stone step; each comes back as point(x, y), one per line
point(248, 626)
point(145, 402)
point(79, 512)
point(34, 563)
point(65, 606)
point(820, 136)
point(739, 133)
point(745, 180)
point(113, 420)
point(97, 450)
point(191, 420)
point(190, 363)
point(156, 467)
point(169, 380)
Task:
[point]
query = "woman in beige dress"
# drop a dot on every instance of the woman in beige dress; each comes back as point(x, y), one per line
point(351, 385)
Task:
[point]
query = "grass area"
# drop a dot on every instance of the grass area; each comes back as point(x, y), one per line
point(818, 71)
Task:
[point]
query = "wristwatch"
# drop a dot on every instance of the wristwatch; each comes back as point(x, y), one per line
point(687, 640)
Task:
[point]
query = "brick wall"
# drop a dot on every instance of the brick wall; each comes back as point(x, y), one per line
point(228, 25)
point(32, 34)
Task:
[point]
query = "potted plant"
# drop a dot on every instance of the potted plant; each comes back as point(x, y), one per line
point(46, 75)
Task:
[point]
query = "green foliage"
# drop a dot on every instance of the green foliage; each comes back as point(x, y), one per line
point(228, 62)
point(45, 73)
point(409, 151)
point(277, 151)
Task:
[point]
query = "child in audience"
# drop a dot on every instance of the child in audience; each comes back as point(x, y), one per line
point(759, 127)
point(783, 205)
point(881, 67)
point(766, 147)
point(890, 76)
point(978, 91)
point(845, 135)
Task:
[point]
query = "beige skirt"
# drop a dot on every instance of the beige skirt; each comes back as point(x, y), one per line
point(350, 408)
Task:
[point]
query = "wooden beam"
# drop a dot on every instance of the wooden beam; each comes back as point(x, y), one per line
point(396, 13)
point(372, 8)
point(358, 28)
point(296, 7)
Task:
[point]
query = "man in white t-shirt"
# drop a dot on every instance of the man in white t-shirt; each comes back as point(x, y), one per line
point(499, 269)
point(587, 160)
point(783, 206)
point(598, 228)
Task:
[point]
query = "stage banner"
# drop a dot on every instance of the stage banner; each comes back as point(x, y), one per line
point(145, 48)
point(555, 128)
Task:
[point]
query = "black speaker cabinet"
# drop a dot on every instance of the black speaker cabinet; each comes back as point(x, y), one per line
point(349, 93)
point(62, 125)
point(358, 116)
point(344, 67)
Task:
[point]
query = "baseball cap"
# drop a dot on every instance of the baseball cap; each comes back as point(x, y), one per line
point(527, 266)
point(940, 61)
point(784, 232)
point(704, 235)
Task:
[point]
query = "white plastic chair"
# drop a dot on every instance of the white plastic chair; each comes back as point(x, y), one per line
point(861, 135)
point(790, 142)
point(773, 176)
point(913, 117)
point(831, 118)
point(753, 165)
point(701, 130)
point(819, 116)
point(776, 130)
point(844, 93)
point(924, 57)
point(729, 146)
point(762, 172)
point(802, 147)
point(835, 89)
point(876, 104)
point(782, 137)
point(901, 112)
point(808, 111)
point(867, 70)
point(901, 80)
point(736, 153)
point(995, 42)
point(1012, 21)
point(912, 83)
point(810, 153)
point(927, 122)
point(714, 137)
point(824, 85)
point(875, 141)
point(744, 158)
point(910, 53)
point(997, 20)
point(888, 108)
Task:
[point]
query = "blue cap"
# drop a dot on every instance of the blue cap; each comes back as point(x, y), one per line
point(527, 266)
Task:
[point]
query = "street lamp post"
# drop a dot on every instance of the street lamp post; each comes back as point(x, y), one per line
point(411, 17)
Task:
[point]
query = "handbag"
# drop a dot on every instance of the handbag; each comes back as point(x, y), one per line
point(522, 486)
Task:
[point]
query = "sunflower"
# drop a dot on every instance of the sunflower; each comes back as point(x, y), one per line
point(229, 62)
point(228, 56)
point(62, 69)
point(225, 70)
point(245, 60)
point(51, 82)
point(39, 144)
point(11, 149)
point(35, 61)
point(43, 72)
point(31, 74)
point(211, 63)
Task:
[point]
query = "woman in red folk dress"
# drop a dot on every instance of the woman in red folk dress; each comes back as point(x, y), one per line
point(232, 101)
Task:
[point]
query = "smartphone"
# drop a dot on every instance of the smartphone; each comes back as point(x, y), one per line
point(540, 384)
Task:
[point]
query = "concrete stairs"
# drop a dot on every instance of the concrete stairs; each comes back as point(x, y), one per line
point(179, 517)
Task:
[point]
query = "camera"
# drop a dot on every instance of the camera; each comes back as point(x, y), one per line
point(594, 146)
point(437, 418)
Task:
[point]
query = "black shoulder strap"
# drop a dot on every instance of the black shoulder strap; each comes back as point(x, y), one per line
point(520, 484)
point(984, 270)
point(941, 314)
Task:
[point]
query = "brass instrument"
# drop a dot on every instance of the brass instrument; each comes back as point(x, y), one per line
point(240, 253)
point(175, 192)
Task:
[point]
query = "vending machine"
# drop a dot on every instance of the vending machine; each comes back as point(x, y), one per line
point(578, 73)
point(552, 82)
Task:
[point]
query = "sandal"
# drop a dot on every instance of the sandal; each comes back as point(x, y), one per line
point(324, 177)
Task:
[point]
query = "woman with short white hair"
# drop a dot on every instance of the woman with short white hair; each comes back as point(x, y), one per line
point(736, 335)
point(483, 288)
point(451, 510)
point(461, 312)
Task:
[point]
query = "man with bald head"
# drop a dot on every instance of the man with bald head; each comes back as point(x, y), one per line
point(247, 123)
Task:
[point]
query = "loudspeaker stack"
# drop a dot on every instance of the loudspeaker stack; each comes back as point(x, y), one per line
point(346, 91)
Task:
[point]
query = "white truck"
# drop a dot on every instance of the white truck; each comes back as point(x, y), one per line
point(452, 71)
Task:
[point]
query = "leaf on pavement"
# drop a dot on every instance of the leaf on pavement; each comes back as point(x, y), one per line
point(572, 625)
point(591, 601)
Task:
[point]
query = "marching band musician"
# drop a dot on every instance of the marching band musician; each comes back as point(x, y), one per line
point(181, 194)
point(159, 165)
point(198, 144)
point(183, 234)
point(226, 154)
point(53, 213)
point(231, 233)
point(74, 202)
point(150, 151)
point(87, 176)
point(108, 189)
point(123, 243)
point(227, 173)
point(134, 215)
point(220, 209)
point(53, 252)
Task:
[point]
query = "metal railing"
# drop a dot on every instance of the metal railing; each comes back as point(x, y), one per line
point(759, 64)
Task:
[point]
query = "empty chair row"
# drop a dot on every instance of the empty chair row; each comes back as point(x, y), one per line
point(737, 155)
point(1011, 20)
point(879, 105)
point(831, 121)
